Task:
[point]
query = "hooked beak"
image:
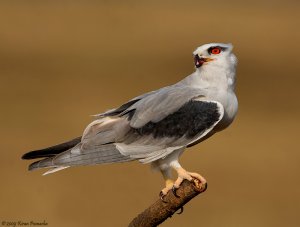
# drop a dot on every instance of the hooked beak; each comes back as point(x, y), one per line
point(200, 61)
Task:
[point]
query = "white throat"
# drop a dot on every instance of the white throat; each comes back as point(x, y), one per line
point(212, 76)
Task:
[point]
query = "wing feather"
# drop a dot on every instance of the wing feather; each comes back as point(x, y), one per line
point(191, 122)
point(159, 105)
point(147, 128)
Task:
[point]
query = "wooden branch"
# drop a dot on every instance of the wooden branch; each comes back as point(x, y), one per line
point(159, 211)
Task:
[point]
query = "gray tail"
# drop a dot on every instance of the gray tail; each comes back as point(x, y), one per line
point(75, 156)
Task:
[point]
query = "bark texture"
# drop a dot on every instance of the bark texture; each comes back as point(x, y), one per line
point(159, 211)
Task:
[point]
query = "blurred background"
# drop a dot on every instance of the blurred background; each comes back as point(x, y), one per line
point(62, 61)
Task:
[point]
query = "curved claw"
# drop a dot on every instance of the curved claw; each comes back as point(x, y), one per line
point(181, 210)
point(204, 187)
point(198, 183)
point(174, 190)
point(162, 196)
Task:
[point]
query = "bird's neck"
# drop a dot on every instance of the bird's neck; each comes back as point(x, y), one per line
point(216, 77)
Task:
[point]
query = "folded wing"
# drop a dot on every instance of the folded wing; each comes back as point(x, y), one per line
point(146, 129)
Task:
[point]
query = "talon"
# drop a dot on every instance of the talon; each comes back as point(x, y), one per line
point(181, 210)
point(174, 190)
point(197, 183)
point(204, 187)
point(162, 196)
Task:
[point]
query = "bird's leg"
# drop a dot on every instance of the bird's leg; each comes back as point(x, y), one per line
point(166, 165)
point(167, 174)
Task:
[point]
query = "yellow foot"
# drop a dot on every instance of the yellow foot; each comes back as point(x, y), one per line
point(164, 191)
point(169, 185)
point(183, 174)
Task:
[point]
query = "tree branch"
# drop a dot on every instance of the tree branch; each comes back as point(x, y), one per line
point(159, 211)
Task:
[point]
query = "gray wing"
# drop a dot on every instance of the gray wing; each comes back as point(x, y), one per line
point(155, 105)
point(146, 128)
point(152, 127)
point(156, 139)
point(159, 105)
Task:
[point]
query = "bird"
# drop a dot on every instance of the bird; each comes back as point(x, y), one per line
point(158, 126)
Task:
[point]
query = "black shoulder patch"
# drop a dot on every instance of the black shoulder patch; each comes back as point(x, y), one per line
point(191, 119)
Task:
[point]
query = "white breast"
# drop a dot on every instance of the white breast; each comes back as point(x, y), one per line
point(230, 104)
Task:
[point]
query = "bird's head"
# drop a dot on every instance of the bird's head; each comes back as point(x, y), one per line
point(214, 54)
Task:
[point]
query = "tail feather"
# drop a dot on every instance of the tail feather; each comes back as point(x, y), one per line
point(107, 153)
point(53, 150)
point(55, 170)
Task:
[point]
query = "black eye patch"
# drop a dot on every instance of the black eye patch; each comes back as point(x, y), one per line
point(209, 50)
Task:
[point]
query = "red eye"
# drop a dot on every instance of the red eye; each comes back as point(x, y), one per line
point(216, 50)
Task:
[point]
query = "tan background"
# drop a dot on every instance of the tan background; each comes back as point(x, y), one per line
point(61, 61)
